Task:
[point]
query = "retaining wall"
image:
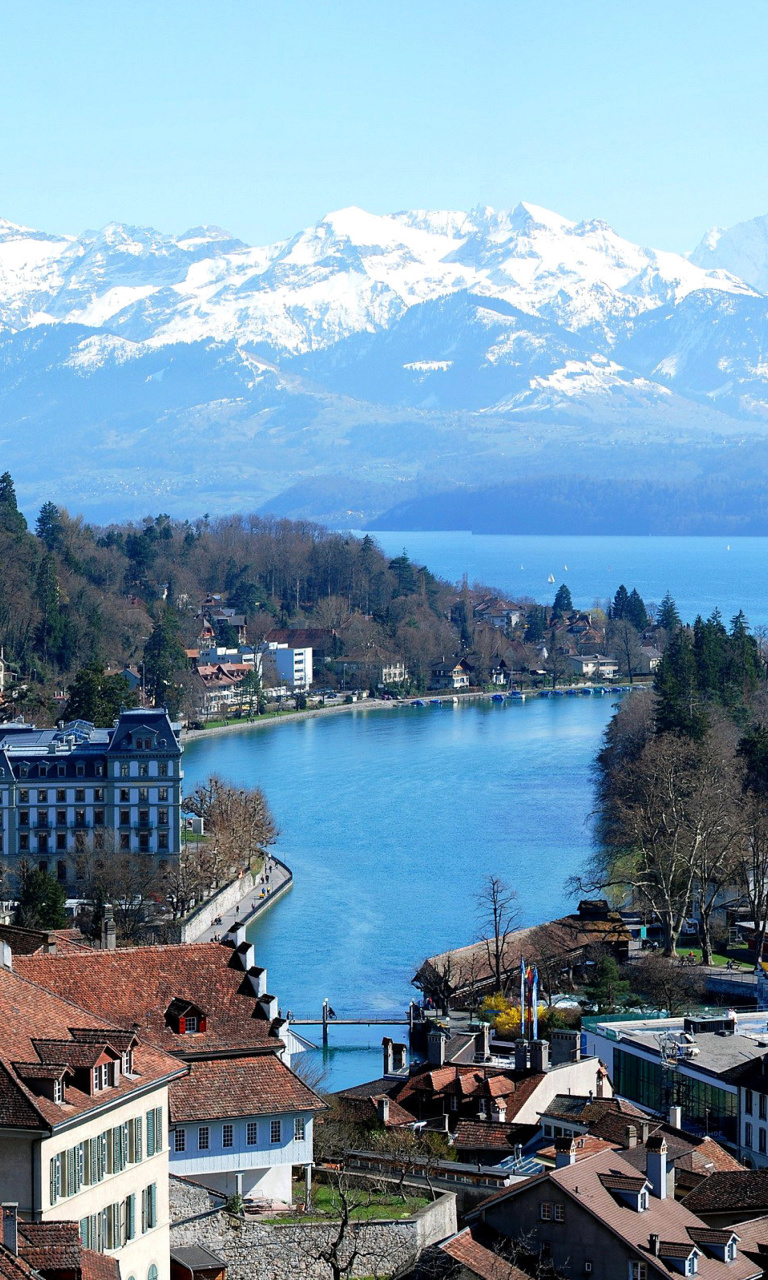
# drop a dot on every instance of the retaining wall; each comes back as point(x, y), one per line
point(254, 1251)
point(191, 927)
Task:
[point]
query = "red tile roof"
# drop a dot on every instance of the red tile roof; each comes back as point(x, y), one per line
point(740, 1191)
point(586, 1145)
point(29, 1016)
point(217, 1088)
point(12, 1267)
point(27, 942)
point(137, 984)
point(478, 1260)
point(55, 1246)
point(489, 1135)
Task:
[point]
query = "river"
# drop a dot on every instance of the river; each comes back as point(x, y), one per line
point(390, 820)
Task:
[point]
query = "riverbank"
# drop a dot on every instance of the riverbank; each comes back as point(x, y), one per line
point(273, 881)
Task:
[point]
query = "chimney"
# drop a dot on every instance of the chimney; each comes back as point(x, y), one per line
point(400, 1057)
point(10, 1227)
point(654, 1243)
point(436, 1047)
point(565, 1046)
point(656, 1165)
point(382, 1106)
point(6, 955)
point(630, 1137)
point(258, 978)
point(108, 932)
point(483, 1041)
point(565, 1152)
point(49, 946)
point(645, 1129)
point(389, 1063)
point(499, 1111)
point(521, 1055)
point(676, 1117)
point(245, 955)
point(539, 1056)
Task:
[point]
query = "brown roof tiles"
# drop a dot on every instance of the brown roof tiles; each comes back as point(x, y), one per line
point(217, 1088)
point(478, 1260)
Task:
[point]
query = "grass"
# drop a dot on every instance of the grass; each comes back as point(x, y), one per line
point(325, 1206)
point(719, 960)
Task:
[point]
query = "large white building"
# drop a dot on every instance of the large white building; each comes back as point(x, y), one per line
point(294, 664)
point(67, 789)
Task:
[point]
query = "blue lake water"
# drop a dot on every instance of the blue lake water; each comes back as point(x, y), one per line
point(390, 820)
point(701, 573)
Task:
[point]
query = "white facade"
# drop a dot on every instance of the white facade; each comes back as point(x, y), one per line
point(294, 666)
point(753, 1128)
point(253, 1155)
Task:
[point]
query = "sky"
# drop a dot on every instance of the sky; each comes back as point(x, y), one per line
point(263, 117)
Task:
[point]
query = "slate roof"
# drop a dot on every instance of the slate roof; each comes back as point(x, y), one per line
point(741, 1190)
point(31, 1016)
point(580, 1109)
point(669, 1219)
point(137, 984)
point(217, 1088)
point(478, 1260)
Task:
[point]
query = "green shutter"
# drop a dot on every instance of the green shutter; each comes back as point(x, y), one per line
point(54, 1184)
point(150, 1133)
point(137, 1138)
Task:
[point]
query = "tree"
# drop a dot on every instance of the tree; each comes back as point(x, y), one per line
point(48, 527)
point(238, 823)
point(164, 661)
point(668, 618)
point(623, 641)
point(752, 754)
point(562, 602)
point(679, 706)
point(606, 988)
point(50, 628)
point(129, 881)
point(41, 900)
point(661, 984)
point(98, 697)
point(499, 915)
point(11, 519)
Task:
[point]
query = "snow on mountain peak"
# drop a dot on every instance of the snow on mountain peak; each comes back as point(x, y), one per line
point(742, 250)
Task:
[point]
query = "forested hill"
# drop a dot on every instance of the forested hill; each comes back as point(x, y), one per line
point(73, 595)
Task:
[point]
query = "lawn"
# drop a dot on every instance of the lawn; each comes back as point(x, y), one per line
point(720, 961)
point(325, 1205)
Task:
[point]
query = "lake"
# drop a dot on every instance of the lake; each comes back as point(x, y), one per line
point(390, 820)
point(701, 573)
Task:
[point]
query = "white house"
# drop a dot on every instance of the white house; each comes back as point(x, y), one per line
point(241, 1125)
point(294, 665)
point(593, 664)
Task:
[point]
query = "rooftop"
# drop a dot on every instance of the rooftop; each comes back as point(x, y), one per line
point(217, 1088)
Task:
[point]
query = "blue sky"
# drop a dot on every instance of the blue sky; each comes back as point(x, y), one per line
point(262, 117)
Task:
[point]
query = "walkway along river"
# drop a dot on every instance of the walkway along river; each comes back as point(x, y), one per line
point(390, 820)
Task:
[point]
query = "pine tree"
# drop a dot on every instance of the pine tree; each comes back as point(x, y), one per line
point(618, 608)
point(679, 708)
point(668, 617)
point(636, 611)
point(164, 660)
point(563, 602)
point(11, 519)
point(49, 527)
point(50, 629)
point(41, 902)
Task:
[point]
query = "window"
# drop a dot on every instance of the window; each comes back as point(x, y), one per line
point(79, 795)
point(761, 1140)
point(692, 1265)
point(61, 870)
point(154, 1131)
point(162, 817)
point(299, 1129)
point(162, 794)
point(129, 1218)
point(275, 1131)
point(125, 842)
point(143, 770)
point(227, 1135)
point(42, 846)
point(191, 1023)
point(23, 796)
point(127, 1062)
point(124, 770)
point(61, 817)
point(143, 795)
point(23, 842)
point(162, 769)
point(61, 770)
point(638, 1271)
point(24, 817)
point(643, 1201)
point(180, 1140)
point(42, 797)
point(58, 1090)
point(559, 1213)
point(144, 843)
point(252, 1133)
point(61, 796)
point(149, 1212)
point(747, 1134)
point(125, 817)
point(162, 840)
point(80, 771)
point(125, 795)
point(545, 1211)
point(761, 1107)
point(152, 1273)
point(203, 1137)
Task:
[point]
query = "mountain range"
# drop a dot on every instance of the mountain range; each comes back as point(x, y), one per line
point(369, 365)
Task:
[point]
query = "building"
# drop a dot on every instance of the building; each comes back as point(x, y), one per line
point(593, 664)
point(695, 1064)
point(292, 663)
point(603, 1218)
point(67, 789)
point(498, 613)
point(241, 1118)
point(450, 673)
point(84, 1124)
point(752, 1084)
point(52, 1250)
point(323, 641)
point(650, 658)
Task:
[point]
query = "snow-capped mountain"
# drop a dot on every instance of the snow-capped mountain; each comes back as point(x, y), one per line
point(388, 350)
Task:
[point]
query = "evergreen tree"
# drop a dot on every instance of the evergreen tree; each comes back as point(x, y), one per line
point(41, 902)
point(49, 527)
point(97, 697)
point(618, 608)
point(50, 629)
point(679, 708)
point(535, 625)
point(606, 988)
point(636, 612)
point(709, 648)
point(11, 519)
point(164, 661)
point(563, 602)
point(668, 617)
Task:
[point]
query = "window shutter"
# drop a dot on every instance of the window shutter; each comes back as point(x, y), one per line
point(80, 1165)
point(54, 1181)
point(130, 1216)
point(150, 1133)
point(92, 1174)
point(152, 1211)
point(124, 1144)
point(158, 1128)
point(143, 1211)
point(137, 1137)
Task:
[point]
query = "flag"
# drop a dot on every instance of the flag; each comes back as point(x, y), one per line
point(522, 996)
point(535, 1004)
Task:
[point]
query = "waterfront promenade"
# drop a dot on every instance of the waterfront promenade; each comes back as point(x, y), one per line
point(274, 880)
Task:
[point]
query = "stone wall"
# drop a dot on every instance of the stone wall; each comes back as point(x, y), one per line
point(255, 1251)
point(201, 919)
point(190, 1199)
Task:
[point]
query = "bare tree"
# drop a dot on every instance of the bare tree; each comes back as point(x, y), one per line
point(665, 984)
point(499, 916)
point(130, 882)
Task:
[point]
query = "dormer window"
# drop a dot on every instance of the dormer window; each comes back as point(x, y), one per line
point(58, 1090)
point(643, 1201)
point(185, 1018)
point(127, 1062)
